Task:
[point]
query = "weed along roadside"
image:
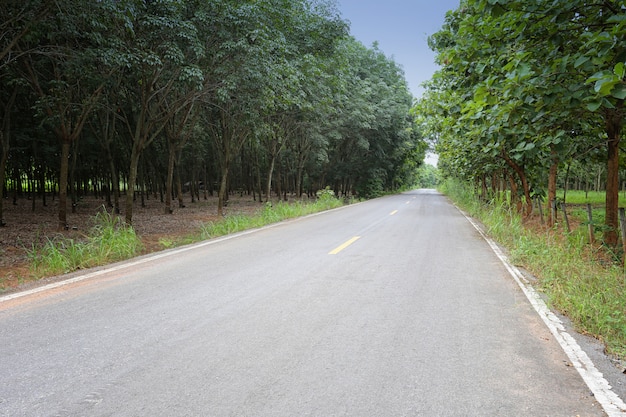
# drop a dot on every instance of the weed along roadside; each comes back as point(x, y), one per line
point(105, 239)
point(583, 281)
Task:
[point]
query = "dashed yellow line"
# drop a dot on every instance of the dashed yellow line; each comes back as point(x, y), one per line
point(393, 212)
point(343, 246)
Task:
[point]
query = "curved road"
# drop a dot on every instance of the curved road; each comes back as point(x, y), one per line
point(392, 307)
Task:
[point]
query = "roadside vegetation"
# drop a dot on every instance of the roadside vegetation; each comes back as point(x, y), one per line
point(108, 241)
point(529, 101)
point(111, 240)
point(271, 213)
point(579, 279)
point(530, 97)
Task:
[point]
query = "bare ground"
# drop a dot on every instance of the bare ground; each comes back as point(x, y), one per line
point(27, 227)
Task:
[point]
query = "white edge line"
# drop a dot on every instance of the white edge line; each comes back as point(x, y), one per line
point(612, 404)
point(153, 257)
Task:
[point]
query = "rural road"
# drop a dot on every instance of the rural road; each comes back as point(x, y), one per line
point(392, 307)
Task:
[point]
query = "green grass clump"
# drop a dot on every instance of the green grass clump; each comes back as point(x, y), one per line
point(109, 240)
point(589, 292)
point(271, 213)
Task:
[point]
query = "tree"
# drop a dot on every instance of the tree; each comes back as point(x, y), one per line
point(523, 71)
point(18, 20)
point(371, 121)
point(162, 52)
point(61, 73)
point(225, 92)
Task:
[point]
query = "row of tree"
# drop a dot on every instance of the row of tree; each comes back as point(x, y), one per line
point(527, 88)
point(260, 95)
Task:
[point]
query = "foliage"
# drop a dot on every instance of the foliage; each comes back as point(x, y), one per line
point(138, 97)
point(526, 89)
point(591, 293)
point(427, 177)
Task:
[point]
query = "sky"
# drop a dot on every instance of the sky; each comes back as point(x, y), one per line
point(401, 28)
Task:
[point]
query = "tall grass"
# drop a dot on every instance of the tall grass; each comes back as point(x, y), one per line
point(271, 213)
point(109, 240)
point(589, 292)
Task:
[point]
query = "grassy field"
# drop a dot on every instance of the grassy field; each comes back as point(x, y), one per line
point(582, 197)
point(591, 197)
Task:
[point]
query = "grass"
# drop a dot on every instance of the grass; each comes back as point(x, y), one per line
point(597, 198)
point(569, 271)
point(271, 213)
point(109, 240)
point(582, 197)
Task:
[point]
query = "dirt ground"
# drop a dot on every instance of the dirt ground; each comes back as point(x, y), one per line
point(26, 227)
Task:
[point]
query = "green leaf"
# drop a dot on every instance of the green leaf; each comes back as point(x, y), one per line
point(619, 92)
point(620, 70)
point(580, 61)
point(598, 76)
point(594, 105)
point(605, 85)
point(616, 18)
point(607, 103)
point(497, 10)
point(524, 71)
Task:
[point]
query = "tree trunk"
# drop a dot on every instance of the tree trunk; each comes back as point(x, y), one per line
point(205, 179)
point(299, 175)
point(63, 175)
point(5, 133)
point(566, 183)
point(179, 182)
point(259, 188)
point(221, 195)
point(514, 194)
point(132, 181)
point(483, 186)
point(552, 177)
point(72, 177)
point(193, 185)
point(170, 179)
point(519, 170)
point(279, 182)
point(4, 141)
point(270, 174)
point(614, 129)
point(115, 184)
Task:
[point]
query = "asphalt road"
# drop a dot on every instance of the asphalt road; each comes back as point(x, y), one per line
point(392, 307)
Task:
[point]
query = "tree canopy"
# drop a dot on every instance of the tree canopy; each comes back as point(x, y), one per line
point(142, 98)
point(526, 88)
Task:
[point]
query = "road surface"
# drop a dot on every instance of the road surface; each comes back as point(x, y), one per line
point(392, 307)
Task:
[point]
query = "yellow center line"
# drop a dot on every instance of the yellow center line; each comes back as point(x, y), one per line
point(343, 246)
point(393, 212)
